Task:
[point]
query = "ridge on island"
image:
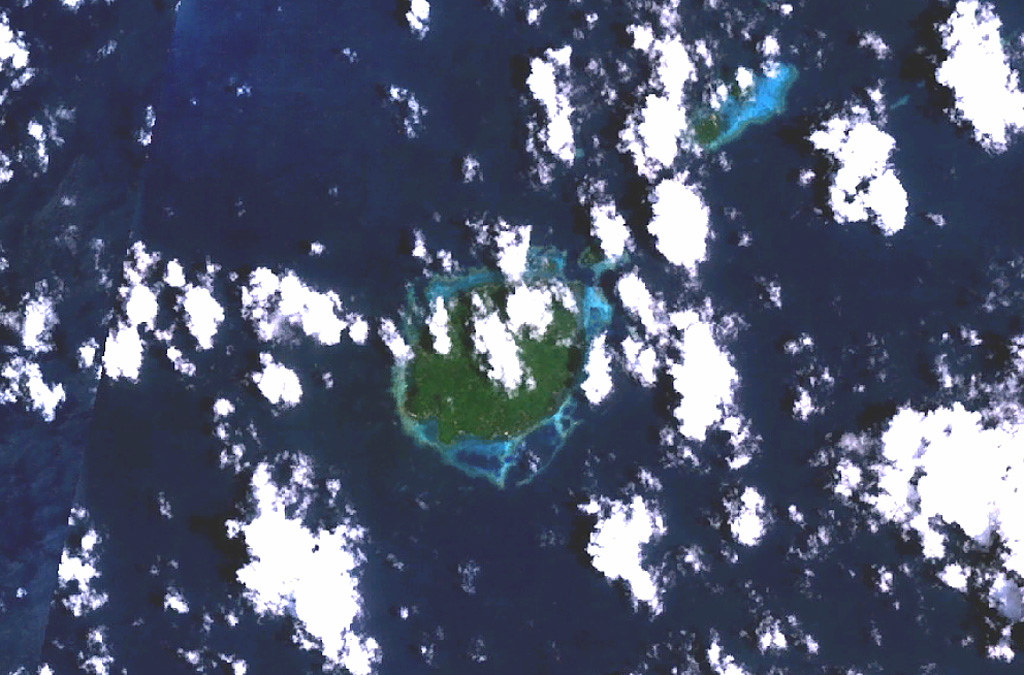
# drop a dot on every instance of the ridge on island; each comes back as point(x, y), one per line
point(455, 399)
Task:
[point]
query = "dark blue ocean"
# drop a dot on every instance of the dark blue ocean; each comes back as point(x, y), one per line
point(270, 136)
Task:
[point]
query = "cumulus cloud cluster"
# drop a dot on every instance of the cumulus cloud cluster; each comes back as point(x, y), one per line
point(952, 467)
point(278, 384)
point(77, 573)
point(976, 69)
point(598, 368)
point(21, 376)
point(548, 82)
point(680, 222)
point(865, 184)
point(617, 544)
point(983, 496)
point(418, 17)
point(682, 345)
point(437, 324)
point(123, 349)
point(14, 64)
point(409, 110)
point(276, 304)
point(512, 245)
point(610, 229)
point(495, 341)
point(748, 517)
point(308, 574)
point(653, 133)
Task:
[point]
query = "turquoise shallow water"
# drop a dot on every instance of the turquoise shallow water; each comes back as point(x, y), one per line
point(767, 100)
point(518, 459)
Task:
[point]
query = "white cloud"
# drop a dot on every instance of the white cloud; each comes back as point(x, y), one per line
point(123, 348)
point(639, 302)
point(982, 496)
point(848, 478)
point(529, 307)
point(12, 48)
point(610, 229)
point(23, 380)
point(744, 78)
point(203, 314)
point(39, 320)
point(652, 134)
point(122, 353)
point(141, 307)
point(865, 185)
point(680, 222)
point(418, 17)
point(78, 567)
point(598, 384)
point(617, 543)
point(704, 380)
point(471, 170)
point(87, 353)
point(419, 249)
point(274, 303)
point(14, 58)
point(409, 109)
point(137, 268)
point(175, 601)
point(770, 636)
point(96, 658)
point(548, 82)
point(180, 363)
point(769, 47)
point(954, 576)
point(874, 42)
point(748, 518)
point(278, 384)
point(979, 74)
point(803, 405)
point(308, 574)
point(358, 329)
point(174, 276)
point(641, 360)
point(722, 663)
point(38, 134)
point(144, 135)
point(438, 327)
point(394, 341)
point(513, 244)
point(494, 340)
point(222, 408)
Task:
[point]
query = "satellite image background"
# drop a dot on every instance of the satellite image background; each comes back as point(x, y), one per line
point(796, 446)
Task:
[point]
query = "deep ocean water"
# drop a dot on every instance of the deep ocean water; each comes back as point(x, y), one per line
point(327, 140)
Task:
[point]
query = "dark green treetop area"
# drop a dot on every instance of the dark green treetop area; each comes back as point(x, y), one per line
point(454, 389)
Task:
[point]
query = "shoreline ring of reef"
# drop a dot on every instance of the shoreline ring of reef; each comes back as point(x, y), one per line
point(534, 439)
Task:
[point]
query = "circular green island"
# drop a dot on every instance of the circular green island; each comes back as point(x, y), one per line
point(495, 365)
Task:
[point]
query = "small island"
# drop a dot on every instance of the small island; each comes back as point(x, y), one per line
point(495, 364)
point(455, 390)
point(763, 98)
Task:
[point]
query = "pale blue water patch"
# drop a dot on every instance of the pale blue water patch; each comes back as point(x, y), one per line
point(766, 100)
point(448, 286)
point(597, 313)
point(541, 263)
point(493, 460)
